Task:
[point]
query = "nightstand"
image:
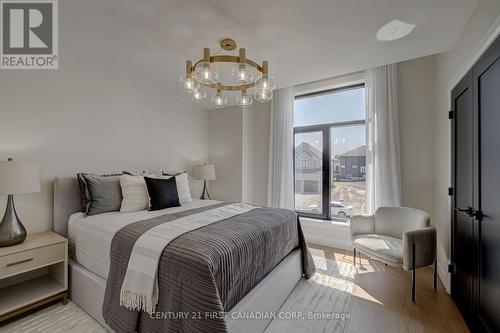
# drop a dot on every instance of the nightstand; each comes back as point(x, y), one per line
point(33, 273)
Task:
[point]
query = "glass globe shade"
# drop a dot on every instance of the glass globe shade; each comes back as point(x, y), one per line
point(241, 73)
point(188, 83)
point(265, 82)
point(244, 100)
point(206, 72)
point(219, 100)
point(199, 96)
point(263, 95)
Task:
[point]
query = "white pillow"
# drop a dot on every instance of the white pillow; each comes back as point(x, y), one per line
point(182, 187)
point(134, 192)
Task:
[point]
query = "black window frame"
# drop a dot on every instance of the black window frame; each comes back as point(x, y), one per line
point(325, 130)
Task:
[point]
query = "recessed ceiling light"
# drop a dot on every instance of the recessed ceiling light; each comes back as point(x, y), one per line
point(393, 30)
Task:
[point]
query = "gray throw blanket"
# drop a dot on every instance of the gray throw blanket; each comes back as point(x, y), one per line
point(204, 272)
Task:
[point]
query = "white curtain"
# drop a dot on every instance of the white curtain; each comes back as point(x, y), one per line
point(280, 178)
point(383, 180)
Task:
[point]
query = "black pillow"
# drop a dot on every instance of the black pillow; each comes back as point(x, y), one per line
point(162, 193)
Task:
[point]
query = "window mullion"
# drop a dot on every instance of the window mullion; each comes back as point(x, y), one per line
point(326, 173)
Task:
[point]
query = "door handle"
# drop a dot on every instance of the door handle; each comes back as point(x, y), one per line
point(469, 211)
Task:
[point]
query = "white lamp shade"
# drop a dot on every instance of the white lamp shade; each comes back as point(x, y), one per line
point(205, 172)
point(18, 177)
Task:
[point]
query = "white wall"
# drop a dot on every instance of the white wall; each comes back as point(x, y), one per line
point(451, 66)
point(239, 148)
point(416, 100)
point(106, 109)
point(256, 152)
point(247, 154)
point(225, 127)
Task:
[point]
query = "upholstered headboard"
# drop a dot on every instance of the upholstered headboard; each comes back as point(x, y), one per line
point(66, 202)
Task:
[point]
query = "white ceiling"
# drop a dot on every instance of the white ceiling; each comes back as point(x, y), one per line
point(303, 40)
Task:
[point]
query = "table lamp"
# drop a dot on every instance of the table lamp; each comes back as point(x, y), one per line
point(205, 172)
point(15, 178)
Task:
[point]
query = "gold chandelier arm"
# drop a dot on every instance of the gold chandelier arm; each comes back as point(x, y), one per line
point(243, 56)
point(231, 58)
point(206, 54)
point(265, 68)
point(227, 88)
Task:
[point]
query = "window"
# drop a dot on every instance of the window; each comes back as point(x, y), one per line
point(298, 186)
point(330, 153)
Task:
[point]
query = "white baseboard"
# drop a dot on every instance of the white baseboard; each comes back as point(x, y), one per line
point(444, 276)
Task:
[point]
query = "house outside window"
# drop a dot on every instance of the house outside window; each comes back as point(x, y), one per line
point(311, 186)
point(330, 153)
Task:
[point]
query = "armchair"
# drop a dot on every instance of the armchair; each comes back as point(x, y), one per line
point(396, 236)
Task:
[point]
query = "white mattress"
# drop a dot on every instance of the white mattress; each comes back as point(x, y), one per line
point(91, 236)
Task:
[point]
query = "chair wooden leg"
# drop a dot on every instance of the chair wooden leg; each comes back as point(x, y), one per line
point(354, 257)
point(413, 275)
point(435, 274)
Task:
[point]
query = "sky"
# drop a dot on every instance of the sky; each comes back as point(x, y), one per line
point(336, 107)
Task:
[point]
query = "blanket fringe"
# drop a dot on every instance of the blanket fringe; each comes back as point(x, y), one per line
point(138, 302)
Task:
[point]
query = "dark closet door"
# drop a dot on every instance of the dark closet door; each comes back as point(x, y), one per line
point(463, 249)
point(487, 101)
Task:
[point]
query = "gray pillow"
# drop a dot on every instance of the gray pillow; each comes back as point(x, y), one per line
point(104, 194)
point(84, 191)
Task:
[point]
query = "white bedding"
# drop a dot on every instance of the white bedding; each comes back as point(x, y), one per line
point(91, 236)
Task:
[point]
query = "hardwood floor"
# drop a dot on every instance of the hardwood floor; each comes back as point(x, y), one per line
point(381, 300)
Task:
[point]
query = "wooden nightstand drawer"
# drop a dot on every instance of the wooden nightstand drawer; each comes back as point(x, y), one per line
point(18, 262)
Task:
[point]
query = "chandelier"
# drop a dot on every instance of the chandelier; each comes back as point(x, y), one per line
point(247, 77)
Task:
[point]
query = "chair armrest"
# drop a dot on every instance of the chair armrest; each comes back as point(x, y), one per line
point(425, 247)
point(362, 224)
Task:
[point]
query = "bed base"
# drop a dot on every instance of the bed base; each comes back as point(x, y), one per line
point(87, 290)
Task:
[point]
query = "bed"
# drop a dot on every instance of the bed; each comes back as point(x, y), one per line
point(89, 269)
